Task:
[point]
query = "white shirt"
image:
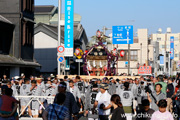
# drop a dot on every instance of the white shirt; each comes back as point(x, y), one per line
point(105, 99)
point(126, 98)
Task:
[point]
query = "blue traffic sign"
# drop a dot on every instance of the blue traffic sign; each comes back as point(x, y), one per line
point(172, 47)
point(61, 59)
point(122, 34)
point(161, 60)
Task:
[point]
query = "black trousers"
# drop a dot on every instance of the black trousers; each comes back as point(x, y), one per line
point(103, 117)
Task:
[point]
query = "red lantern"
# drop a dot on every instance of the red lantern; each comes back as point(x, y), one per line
point(98, 34)
point(122, 53)
point(105, 68)
point(85, 51)
point(77, 51)
point(114, 51)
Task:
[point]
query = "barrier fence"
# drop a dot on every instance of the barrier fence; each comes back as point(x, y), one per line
point(32, 98)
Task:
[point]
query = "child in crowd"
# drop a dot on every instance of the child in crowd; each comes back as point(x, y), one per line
point(162, 113)
point(7, 103)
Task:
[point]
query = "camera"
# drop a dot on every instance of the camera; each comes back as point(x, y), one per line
point(102, 106)
point(147, 89)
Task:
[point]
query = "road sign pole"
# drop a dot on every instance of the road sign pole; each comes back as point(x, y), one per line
point(128, 59)
point(59, 33)
point(79, 68)
point(169, 64)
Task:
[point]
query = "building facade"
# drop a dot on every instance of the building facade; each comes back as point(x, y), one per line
point(164, 46)
point(141, 53)
point(21, 14)
point(49, 15)
point(45, 46)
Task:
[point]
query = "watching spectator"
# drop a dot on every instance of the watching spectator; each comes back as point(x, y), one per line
point(57, 111)
point(162, 113)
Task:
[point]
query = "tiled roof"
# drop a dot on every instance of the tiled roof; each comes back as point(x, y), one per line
point(7, 60)
point(43, 9)
point(78, 29)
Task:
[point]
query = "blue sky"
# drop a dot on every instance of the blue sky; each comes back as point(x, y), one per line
point(150, 14)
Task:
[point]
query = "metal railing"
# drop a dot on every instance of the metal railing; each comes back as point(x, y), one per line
point(32, 98)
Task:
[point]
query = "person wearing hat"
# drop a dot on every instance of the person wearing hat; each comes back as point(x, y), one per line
point(70, 102)
point(103, 102)
point(89, 102)
point(40, 83)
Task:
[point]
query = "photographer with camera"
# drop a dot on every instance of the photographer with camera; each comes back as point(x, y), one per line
point(155, 96)
point(103, 102)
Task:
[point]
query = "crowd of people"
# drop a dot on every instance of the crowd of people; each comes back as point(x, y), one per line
point(142, 98)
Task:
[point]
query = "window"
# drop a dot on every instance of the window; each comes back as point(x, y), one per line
point(158, 39)
point(167, 46)
point(162, 46)
point(176, 39)
point(27, 33)
point(133, 55)
point(176, 55)
point(28, 5)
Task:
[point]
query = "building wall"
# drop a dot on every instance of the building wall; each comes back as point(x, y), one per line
point(45, 52)
point(141, 47)
point(142, 35)
point(14, 11)
point(161, 38)
point(43, 18)
point(13, 7)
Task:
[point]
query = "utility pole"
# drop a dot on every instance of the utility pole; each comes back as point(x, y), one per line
point(169, 64)
point(128, 59)
point(165, 54)
point(59, 33)
point(141, 54)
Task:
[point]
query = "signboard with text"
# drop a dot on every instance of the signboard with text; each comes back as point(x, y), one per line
point(172, 47)
point(144, 70)
point(122, 34)
point(161, 60)
point(69, 28)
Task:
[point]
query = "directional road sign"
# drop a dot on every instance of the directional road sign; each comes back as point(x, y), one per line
point(122, 34)
point(61, 59)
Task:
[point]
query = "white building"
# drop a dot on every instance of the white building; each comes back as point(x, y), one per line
point(142, 52)
point(45, 47)
point(164, 45)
